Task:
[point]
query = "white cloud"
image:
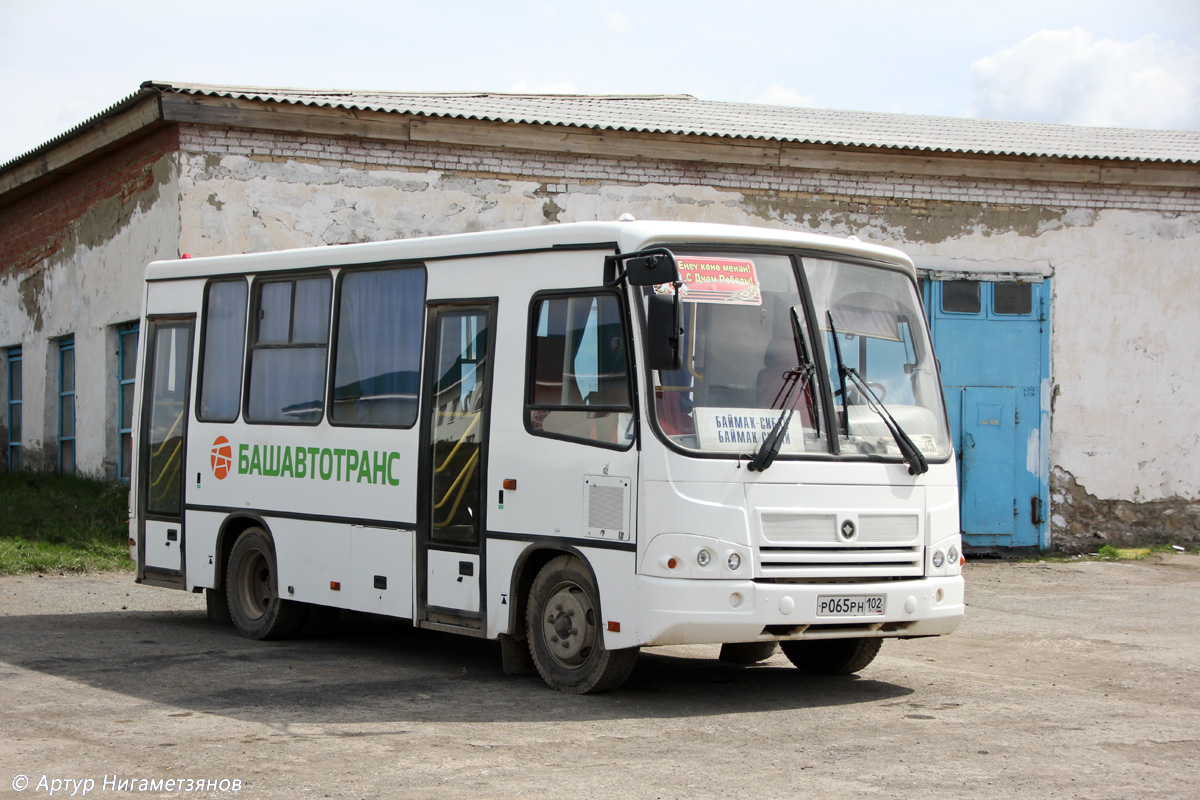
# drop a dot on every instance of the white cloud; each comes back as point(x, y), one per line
point(1070, 77)
point(777, 95)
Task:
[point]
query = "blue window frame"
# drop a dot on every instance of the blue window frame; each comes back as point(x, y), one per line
point(14, 409)
point(66, 405)
point(127, 344)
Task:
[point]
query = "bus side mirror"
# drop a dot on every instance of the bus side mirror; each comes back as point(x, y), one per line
point(664, 324)
point(656, 268)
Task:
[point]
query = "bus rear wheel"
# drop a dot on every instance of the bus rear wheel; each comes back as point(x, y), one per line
point(251, 585)
point(562, 628)
point(831, 656)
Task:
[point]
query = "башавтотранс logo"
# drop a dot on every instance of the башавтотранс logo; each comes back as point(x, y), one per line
point(222, 457)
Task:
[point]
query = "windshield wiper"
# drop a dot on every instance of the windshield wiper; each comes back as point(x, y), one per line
point(909, 452)
point(795, 385)
point(841, 368)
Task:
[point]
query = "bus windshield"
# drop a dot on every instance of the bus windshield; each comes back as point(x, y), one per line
point(740, 352)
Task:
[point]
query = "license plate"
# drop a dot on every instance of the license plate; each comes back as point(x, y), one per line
point(850, 605)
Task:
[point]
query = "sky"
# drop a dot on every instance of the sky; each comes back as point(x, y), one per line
point(1133, 64)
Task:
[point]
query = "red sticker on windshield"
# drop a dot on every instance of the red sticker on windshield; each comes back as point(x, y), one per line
point(719, 280)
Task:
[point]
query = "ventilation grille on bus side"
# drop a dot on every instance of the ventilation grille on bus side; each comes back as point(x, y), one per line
point(606, 507)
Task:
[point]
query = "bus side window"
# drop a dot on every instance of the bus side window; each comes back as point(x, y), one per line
point(224, 332)
point(287, 352)
point(377, 352)
point(578, 382)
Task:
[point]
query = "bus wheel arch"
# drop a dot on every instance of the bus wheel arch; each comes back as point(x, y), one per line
point(231, 529)
point(216, 603)
point(525, 571)
point(252, 589)
point(563, 630)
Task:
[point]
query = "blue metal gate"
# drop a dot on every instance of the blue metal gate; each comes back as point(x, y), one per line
point(992, 339)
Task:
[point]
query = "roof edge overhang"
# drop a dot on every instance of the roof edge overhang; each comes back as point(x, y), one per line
point(157, 103)
point(238, 111)
point(131, 117)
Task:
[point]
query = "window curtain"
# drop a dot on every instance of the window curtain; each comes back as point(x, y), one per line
point(379, 347)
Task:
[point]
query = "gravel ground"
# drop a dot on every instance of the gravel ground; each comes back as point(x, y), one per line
point(1077, 679)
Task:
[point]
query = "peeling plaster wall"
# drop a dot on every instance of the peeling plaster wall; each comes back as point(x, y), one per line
point(1084, 522)
point(239, 205)
point(91, 283)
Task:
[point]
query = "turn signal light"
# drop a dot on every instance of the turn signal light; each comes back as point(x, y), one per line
point(335, 586)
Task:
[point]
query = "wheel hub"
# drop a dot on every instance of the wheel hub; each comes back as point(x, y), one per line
point(568, 625)
point(254, 584)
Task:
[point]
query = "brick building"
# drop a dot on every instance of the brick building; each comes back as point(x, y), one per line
point(1061, 264)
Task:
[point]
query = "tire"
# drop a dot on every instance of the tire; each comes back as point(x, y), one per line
point(831, 656)
point(562, 628)
point(746, 652)
point(257, 610)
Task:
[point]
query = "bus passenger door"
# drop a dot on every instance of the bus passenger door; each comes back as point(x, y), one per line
point(163, 444)
point(454, 431)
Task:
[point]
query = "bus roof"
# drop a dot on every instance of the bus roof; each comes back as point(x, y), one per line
point(628, 236)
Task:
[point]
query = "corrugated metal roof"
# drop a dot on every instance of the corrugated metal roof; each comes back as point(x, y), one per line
point(684, 114)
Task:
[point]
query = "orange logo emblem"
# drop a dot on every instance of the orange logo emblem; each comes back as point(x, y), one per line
point(222, 458)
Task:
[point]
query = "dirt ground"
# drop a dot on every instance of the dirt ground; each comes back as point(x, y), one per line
point(1078, 679)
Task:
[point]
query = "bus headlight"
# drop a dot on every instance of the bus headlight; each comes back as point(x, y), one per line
point(952, 556)
point(682, 555)
point(939, 558)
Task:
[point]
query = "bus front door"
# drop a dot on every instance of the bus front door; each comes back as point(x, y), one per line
point(454, 439)
point(163, 444)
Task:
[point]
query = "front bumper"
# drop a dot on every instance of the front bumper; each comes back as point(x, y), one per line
point(681, 611)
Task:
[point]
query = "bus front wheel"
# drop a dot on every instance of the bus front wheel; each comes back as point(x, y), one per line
point(831, 656)
point(251, 585)
point(562, 627)
point(745, 653)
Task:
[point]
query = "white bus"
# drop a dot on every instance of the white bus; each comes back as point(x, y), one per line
point(578, 439)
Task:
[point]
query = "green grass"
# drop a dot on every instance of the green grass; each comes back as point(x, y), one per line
point(61, 523)
point(1109, 552)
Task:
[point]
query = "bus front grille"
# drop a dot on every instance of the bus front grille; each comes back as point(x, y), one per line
point(841, 562)
point(866, 545)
